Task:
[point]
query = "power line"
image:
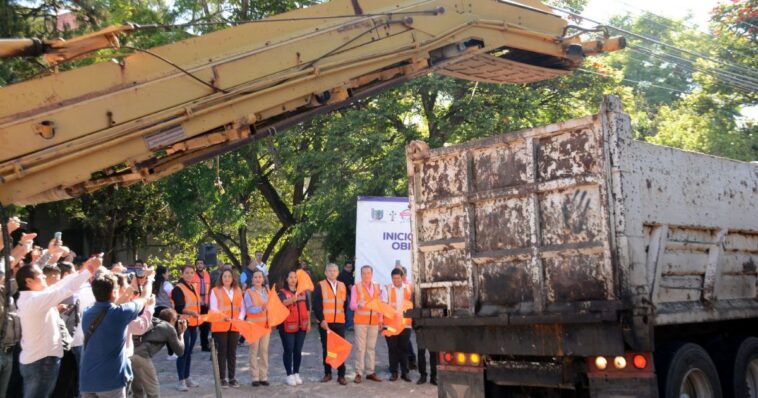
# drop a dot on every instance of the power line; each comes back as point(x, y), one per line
point(658, 42)
point(734, 81)
point(635, 82)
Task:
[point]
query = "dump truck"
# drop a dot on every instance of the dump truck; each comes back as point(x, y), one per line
point(574, 260)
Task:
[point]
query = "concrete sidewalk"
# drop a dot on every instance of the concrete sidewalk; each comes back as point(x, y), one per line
point(311, 371)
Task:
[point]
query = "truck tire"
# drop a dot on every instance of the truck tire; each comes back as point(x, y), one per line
point(737, 362)
point(685, 369)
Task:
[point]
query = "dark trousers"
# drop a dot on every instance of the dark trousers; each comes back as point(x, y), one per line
point(226, 348)
point(338, 328)
point(184, 362)
point(398, 350)
point(67, 385)
point(293, 350)
point(432, 363)
point(205, 330)
point(411, 352)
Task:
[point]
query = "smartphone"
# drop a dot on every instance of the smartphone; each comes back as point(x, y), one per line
point(58, 237)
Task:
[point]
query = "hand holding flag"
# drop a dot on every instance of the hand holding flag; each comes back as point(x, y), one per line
point(304, 282)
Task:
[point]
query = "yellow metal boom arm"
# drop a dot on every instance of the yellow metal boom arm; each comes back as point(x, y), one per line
point(157, 111)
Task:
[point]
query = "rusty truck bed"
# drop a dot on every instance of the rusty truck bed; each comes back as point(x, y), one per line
point(577, 223)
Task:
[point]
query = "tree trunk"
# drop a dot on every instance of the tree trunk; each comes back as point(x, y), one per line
point(244, 250)
point(284, 261)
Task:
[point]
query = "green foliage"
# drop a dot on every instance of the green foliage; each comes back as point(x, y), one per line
point(281, 192)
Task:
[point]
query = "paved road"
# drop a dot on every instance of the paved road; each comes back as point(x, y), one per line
point(311, 371)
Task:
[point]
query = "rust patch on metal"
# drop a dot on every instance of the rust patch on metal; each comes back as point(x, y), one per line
point(571, 216)
point(442, 178)
point(446, 265)
point(567, 155)
point(442, 224)
point(500, 167)
point(509, 215)
point(575, 278)
point(505, 283)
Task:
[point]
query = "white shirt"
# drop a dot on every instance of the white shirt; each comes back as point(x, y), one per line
point(86, 299)
point(38, 312)
point(230, 294)
point(333, 285)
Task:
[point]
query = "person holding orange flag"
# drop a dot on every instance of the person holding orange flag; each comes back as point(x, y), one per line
point(329, 306)
point(398, 294)
point(367, 324)
point(187, 303)
point(292, 330)
point(256, 301)
point(226, 298)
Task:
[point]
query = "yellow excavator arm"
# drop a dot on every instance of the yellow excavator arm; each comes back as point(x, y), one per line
point(157, 111)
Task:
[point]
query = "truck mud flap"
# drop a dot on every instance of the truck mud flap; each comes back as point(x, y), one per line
point(468, 383)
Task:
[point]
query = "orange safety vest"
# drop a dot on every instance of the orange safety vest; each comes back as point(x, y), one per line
point(191, 303)
point(407, 322)
point(204, 289)
point(365, 316)
point(299, 317)
point(333, 305)
point(257, 301)
point(230, 308)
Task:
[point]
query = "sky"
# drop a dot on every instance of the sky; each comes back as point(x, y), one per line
point(699, 10)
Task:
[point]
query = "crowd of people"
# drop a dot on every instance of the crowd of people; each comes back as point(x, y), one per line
point(76, 328)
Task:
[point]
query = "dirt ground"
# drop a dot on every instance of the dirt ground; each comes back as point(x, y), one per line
point(311, 372)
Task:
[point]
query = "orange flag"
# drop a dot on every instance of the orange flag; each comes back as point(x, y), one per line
point(249, 330)
point(394, 326)
point(304, 282)
point(277, 312)
point(211, 316)
point(375, 304)
point(337, 349)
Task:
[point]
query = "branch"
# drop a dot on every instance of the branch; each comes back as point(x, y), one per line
point(218, 238)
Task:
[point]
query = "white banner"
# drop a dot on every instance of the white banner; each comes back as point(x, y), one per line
point(382, 236)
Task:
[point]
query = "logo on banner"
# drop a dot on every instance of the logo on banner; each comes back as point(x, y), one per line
point(377, 214)
point(405, 215)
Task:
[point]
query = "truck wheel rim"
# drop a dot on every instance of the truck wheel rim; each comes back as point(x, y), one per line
point(695, 384)
point(751, 378)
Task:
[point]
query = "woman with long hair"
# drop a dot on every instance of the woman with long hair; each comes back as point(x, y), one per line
point(256, 298)
point(226, 298)
point(292, 331)
point(162, 290)
point(187, 304)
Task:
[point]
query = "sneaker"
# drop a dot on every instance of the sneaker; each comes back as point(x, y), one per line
point(182, 386)
point(256, 383)
point(171, 357)
point(224, 384)
point(298, 380)
point(191, 383)
point(234, 384)
point(291, 381)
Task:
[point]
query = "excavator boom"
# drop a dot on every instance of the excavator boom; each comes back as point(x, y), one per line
point(157, 111)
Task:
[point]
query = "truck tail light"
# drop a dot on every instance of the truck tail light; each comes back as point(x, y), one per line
point(631, 362)
point(639, 361)
point(460, 359)
point(448, 357)
point(475, 359)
